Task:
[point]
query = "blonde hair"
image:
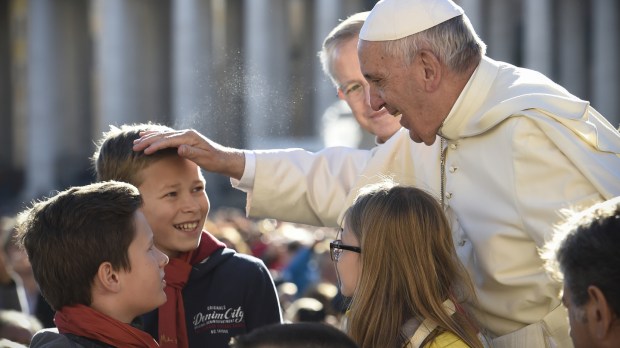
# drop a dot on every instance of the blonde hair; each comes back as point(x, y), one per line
point(114, 158)
point(409, 267)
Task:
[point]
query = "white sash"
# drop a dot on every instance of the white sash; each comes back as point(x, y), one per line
point(428, 325)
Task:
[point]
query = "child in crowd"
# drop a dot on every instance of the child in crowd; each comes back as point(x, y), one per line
point(213, 292)
point(93, 257)
point(396, 259)
point(12, 292)
point(22, 292)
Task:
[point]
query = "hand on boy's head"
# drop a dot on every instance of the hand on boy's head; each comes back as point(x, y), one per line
point(197, 148)
point(152, 141)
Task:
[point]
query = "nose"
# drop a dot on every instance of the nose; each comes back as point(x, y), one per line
point(190, 203)
point(376, 102)
point(163, 258)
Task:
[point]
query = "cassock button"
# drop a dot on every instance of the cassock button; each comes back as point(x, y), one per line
point(449, 195)
point(452, 169)
point(452, 146)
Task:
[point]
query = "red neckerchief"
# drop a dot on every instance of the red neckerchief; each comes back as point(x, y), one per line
point(172, 329)
point(86, 322)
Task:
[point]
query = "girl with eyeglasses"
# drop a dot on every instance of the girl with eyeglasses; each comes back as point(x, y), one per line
point(397, 261)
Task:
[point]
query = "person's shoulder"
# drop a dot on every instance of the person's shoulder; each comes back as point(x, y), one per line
point(79, 341)
point(447, 340)
point(229, 259)
point(242, 259)
point(246, 268)
point(50, 338)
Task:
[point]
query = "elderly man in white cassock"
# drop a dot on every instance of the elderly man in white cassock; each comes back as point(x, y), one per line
point(516, 149)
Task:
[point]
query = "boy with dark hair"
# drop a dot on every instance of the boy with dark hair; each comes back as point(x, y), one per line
point(213, 292)
point(92, 254)
point(584, 254)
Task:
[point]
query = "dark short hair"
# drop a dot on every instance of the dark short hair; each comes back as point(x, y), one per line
point(114, 158)
point(297, 335)
point(69, 235)
point(587, 254)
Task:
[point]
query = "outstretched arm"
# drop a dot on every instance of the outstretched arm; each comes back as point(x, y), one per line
point(197, 148)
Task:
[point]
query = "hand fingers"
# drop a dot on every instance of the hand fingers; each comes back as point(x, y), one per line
point(146, 139)
point(153, 141)
point(186, 151)
point(196, 155)
point(147, 132)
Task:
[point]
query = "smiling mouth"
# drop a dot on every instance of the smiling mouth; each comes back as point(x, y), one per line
point(186, 227)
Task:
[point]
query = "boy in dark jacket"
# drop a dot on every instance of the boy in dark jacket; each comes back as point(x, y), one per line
point(93, 257)
point(213, 293)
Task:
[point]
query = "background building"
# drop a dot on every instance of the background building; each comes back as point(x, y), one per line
point(243, 72)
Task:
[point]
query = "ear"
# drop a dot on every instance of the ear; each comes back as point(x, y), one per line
point(107, 278)
point(599, 315)
point(432, 70)
point(340, 93)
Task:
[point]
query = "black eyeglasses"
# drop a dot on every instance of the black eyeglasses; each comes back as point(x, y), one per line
point(336, 247)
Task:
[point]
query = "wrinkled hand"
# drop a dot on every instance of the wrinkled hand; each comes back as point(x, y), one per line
point(197, 148)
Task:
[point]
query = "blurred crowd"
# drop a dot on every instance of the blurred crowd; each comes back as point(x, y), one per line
point(298, 258)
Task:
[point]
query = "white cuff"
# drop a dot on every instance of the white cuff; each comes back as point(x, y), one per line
point(246, 183)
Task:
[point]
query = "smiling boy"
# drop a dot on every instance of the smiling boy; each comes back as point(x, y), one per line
point(213, 292)
point(93, 257)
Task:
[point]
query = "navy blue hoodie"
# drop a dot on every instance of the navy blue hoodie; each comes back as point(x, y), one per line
point(226, 295)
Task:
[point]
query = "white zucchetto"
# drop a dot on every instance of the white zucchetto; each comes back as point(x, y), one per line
point(396, 19)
